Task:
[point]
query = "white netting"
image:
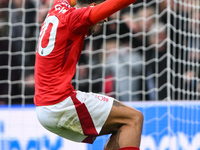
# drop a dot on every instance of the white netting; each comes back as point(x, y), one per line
point(148, 51)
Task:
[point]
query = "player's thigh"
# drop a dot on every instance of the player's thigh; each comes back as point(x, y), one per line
point(120, 114)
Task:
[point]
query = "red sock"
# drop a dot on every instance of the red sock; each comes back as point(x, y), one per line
point(129, 148)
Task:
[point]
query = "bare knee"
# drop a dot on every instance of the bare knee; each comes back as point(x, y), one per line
point(129, 133)
point(136, 118)
point(122, 116)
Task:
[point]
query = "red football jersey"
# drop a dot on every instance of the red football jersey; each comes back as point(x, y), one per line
point(59, 48)
point(60, 44)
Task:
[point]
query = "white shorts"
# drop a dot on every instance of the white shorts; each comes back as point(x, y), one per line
point(79, 117)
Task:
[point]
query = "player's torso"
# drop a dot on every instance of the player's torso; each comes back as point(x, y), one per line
point(58, 51)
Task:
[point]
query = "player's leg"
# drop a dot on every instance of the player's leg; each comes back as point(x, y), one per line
point(125, 125)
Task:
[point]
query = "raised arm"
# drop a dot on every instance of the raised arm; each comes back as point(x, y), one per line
point(107, 8)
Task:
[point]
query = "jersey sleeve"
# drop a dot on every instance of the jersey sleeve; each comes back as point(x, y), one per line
point(107, 8)
point(79, 20)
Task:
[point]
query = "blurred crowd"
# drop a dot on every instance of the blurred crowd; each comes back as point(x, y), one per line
point(20, 22)
point(148, 51)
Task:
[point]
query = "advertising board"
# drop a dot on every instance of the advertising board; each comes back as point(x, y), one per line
point(167, 126)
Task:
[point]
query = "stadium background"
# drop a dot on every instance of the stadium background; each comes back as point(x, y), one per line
point(147, 56)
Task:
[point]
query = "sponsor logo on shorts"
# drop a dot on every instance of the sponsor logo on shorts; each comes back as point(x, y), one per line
point(102, 98)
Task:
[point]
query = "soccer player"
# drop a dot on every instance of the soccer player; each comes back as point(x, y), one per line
point(76, 115)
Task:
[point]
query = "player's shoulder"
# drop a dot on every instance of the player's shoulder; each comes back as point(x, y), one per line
point(61, 7)
point(63, 2)
point(65, 13)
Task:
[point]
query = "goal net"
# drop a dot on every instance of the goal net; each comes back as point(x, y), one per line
point(149, 51)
